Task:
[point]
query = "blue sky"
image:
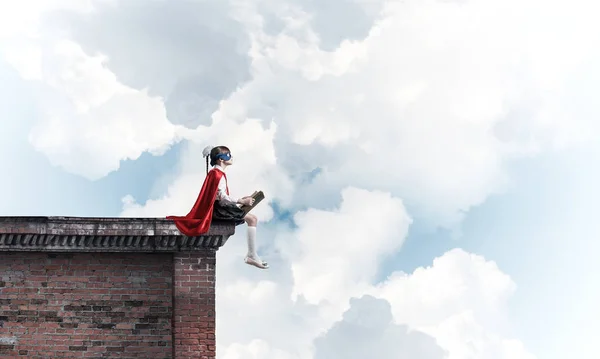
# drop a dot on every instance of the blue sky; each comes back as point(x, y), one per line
point(504, 131)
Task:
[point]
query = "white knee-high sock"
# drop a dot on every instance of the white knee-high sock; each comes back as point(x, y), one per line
point(251, 236)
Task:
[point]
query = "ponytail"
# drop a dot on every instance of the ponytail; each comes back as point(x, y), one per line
point(206, 153)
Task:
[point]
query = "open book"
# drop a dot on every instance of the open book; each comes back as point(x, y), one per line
point(258, 196)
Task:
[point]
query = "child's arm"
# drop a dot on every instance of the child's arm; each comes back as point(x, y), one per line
point(222, 193)
point(223, 198)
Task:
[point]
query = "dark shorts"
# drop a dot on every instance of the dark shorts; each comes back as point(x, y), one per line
point(228, 213)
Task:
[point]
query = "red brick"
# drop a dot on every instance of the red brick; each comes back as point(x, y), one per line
point(117, 305)
point(190, 304)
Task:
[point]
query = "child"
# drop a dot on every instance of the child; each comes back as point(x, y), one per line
point(214, 203)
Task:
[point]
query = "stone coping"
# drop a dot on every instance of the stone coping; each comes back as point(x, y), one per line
point(89, 234)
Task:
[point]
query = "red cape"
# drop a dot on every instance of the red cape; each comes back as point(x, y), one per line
point(197, 222)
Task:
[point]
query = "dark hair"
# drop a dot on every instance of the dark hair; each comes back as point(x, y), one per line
point(214, 153)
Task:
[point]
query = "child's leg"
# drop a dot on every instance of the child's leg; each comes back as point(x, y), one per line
point(252, 257)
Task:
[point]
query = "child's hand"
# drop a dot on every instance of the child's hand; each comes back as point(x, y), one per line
point(247, 201)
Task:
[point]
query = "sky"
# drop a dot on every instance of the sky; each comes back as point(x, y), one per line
point(430, 166)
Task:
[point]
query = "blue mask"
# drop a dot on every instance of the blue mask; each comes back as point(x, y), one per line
point(223, 156)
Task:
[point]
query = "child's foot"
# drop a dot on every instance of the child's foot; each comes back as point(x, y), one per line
point(257, 263)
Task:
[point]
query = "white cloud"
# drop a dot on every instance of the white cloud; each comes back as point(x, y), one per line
point(89, 121)
point(337, 252)
point(461, 300)
point(455, 283)
point(459, 303)
point(433, 103)
point(315, 274)
point(22, 19)
point(257, 349)
point(369, 323)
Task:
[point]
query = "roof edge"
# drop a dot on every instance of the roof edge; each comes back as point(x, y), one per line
point(104, 234)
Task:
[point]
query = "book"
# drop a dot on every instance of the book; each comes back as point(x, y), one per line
point(258, 196)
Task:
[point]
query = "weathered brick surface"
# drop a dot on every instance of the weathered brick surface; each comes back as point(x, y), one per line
point(83, 305)
point(106, 288)
point(194, 305)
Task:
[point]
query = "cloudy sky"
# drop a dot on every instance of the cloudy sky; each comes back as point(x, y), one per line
point(431, 166)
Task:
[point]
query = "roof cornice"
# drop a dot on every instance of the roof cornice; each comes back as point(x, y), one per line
point(88, 234)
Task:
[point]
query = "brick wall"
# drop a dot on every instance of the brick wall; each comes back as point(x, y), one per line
point(194, 296)
point(107, 305)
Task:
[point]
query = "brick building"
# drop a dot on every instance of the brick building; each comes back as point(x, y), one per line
point(106, 288)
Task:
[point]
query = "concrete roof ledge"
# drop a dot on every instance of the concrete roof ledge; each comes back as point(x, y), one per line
point(88, 234)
